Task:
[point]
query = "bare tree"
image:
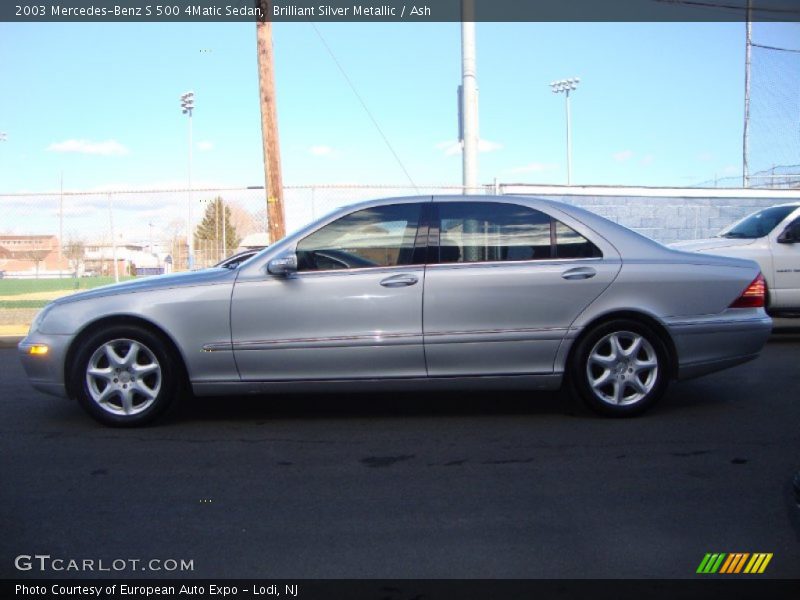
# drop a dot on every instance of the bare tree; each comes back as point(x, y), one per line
point(75, 252)
point(36, 256)
point(176, 231)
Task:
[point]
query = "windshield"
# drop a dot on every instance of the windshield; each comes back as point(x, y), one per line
point(758, 224)
point(233, 262)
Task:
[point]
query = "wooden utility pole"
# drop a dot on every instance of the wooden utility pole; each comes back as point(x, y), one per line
point(273, 182)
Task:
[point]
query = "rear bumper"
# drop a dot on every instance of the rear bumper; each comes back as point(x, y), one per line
point(698, 369)
point(712, 343)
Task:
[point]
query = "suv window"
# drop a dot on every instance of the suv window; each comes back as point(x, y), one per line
point(374, 237)
point(490, 231)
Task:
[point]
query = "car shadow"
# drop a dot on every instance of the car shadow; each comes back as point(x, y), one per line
point(367, 405)
point(694, 394)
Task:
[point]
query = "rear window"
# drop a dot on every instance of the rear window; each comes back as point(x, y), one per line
point(491, 232)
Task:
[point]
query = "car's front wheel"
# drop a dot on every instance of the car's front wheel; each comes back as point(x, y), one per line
point(125, 376)
point(620, 368)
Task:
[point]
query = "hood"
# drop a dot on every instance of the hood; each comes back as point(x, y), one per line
point(711, 244)
point(158, 282)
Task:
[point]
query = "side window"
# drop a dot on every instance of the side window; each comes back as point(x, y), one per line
point(571, 244)
point(491, 232)
point(374, 237)
point(790, 233)
point(485, 231)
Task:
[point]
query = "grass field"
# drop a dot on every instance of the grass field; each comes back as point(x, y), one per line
point(35, 293)
point(5, 304)
point(13, 287)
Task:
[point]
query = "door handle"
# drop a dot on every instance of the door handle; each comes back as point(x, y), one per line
point(399, 280)
point(579, 273)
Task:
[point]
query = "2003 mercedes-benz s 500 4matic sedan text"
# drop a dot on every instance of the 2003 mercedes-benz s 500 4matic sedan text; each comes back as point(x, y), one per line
point(432, 292)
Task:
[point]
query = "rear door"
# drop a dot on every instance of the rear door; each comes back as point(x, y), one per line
point(503, 284)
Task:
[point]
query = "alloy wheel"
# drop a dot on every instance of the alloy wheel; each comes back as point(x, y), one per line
point(622, 368)
point(123, 377)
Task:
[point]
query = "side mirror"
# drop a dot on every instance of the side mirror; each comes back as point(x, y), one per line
point(790, 235)
point(283, 265)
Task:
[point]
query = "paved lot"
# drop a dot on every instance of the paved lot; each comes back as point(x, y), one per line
point(489, 485)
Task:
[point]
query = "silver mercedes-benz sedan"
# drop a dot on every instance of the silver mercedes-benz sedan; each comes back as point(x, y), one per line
point(409, 293)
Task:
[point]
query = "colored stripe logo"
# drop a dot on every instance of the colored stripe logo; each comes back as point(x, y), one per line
point(733, 563)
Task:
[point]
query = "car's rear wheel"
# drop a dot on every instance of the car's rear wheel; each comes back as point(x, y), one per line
point(620, 368)
point(125, 376)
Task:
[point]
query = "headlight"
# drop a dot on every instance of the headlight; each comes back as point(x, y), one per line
point(37, 320)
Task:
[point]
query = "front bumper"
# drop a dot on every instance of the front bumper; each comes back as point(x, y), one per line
point(45, 371)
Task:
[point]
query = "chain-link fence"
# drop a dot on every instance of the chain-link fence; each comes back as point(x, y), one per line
point(773, 121)
point(143, 232)
point(125, 233)
point(54, 243)
point(776, 177)
point(774, 127)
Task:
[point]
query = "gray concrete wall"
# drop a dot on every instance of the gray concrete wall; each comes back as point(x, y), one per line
point(666, 218)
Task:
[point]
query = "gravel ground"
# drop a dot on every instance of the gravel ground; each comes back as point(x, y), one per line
point(17, 316)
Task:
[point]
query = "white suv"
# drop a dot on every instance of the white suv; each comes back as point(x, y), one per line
point(772, 238)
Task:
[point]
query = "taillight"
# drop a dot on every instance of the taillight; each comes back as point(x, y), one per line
point(754, 296)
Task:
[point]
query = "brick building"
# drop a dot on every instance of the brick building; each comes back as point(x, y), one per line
point(31, 255)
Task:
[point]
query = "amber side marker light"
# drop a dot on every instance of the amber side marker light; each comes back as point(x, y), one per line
point(38, 349)
point(754, 296)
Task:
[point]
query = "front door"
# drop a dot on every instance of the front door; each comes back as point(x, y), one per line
point(353, 310)
point(786, 262)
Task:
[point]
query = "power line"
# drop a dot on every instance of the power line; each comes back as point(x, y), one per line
point(754, 45)
point(364, 105)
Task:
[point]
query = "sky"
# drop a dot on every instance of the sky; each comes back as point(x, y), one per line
point(657, 104)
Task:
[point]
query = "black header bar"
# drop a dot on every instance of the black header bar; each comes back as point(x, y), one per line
point(367, 11)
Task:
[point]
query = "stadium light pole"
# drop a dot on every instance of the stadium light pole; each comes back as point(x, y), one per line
point(469, 99)
point(748, 45)
point(566, 86)
point(187, 106)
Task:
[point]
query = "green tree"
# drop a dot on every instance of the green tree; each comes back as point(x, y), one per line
point(216, 236)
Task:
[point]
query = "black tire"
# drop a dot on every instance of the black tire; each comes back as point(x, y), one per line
point(599, 368)
point(149, 393)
